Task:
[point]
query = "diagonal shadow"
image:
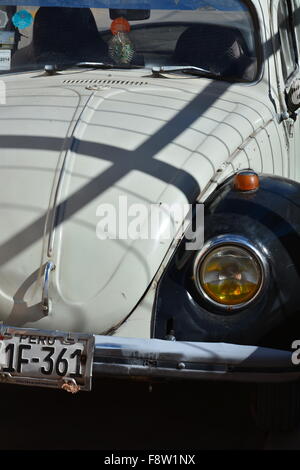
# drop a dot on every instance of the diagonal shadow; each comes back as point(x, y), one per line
point(123, 162)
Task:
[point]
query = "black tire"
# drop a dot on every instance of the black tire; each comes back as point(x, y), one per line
point(276, 407)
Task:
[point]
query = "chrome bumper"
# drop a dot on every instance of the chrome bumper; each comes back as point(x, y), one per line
point(160, 359)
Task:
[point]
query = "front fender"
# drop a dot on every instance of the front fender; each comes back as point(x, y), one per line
point(270, 219)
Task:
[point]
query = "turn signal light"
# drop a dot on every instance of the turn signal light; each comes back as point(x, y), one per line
point(246, 181)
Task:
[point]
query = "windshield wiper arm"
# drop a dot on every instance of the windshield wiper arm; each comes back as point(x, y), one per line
point(157, 71)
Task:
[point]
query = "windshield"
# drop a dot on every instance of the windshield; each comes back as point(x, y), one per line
point(216, 35)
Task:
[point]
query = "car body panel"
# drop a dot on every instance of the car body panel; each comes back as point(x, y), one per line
point(149, 143)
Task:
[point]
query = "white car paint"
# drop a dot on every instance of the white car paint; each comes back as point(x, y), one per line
point(73, 146)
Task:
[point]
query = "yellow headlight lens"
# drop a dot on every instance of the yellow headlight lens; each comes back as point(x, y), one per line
point(230, 275)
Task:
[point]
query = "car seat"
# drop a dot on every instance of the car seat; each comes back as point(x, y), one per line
point(64, 34)
point(217, 48)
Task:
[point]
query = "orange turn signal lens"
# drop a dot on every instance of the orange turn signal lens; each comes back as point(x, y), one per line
point(246, 181)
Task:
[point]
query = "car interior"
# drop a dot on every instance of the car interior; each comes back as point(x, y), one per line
point(72, 35)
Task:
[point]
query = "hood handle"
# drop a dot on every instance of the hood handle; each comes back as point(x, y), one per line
point(50, 266)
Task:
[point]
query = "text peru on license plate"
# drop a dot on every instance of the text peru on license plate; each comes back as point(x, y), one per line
point(46, 358)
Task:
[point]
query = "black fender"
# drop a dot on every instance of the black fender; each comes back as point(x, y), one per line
point(270, 219)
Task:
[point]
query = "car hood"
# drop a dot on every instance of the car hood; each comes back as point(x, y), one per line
point(80, 156)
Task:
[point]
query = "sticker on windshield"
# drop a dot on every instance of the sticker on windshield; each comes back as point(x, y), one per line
point(22, 19)
point(3, 19)
point(7, 38)
point(5, 59)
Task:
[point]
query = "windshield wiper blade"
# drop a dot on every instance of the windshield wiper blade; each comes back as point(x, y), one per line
point(52, 69)
point(157, 71)
point(107, 65)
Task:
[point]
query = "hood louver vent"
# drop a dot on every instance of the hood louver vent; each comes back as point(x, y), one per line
point(104, 82)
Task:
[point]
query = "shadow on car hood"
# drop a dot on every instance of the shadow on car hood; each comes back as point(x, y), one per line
point(73, 154)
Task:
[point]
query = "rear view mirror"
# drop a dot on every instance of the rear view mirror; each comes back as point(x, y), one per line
point(128, 14)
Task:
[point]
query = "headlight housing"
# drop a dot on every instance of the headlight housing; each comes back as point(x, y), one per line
point(229, 272)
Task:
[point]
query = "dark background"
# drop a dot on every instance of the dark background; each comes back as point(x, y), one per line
point(122, 415)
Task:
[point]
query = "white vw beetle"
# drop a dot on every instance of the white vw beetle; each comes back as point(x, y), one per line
point(149, 195)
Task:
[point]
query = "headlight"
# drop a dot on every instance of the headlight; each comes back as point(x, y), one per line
point(229, 272)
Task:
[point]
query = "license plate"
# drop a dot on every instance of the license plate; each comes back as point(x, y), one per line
point(46, 358)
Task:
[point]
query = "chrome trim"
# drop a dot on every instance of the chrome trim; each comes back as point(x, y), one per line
point(182, 360)
point(149, 358)
point(50, 266)
point(224, 240)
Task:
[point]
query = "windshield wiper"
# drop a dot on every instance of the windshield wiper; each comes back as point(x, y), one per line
point(52, 69)
point(107, 65)
point(191, 69)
